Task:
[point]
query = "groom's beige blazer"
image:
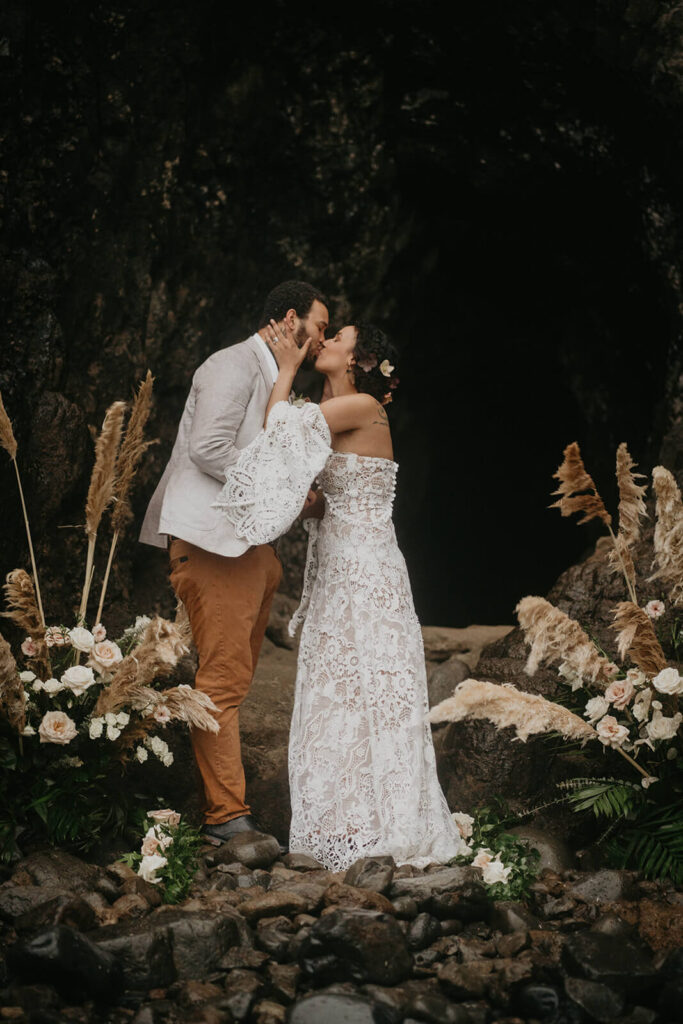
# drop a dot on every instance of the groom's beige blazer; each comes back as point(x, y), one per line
point(224, 411)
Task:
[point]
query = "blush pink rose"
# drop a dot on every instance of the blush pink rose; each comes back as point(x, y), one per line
point(105, 655)
point(165, 817)
point(99, 633)
point(29, 647)
point(620, 693)
point(150, 846)
point(57, 727)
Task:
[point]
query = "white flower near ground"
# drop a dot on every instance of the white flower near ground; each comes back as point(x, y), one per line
point(78, 679)
point(662, 728)
point(105, 655)
point(655, 609)
point(149, 867)
point(141, 754)
point(122, 719)
point(27, 676)
point(641, 705)
point(29, 647)
point(99, 633)
point(610, 733)
point(495, 871)
point(112, 732)
point(483, 857)
point(570, 676)
point(96, 728)
point(596, 707)
point(81, 638)
point(57, 727)
point(162, 714)
point(164, 816)
point(464, 823)
point(620, 692)
point(669, 682)
point(28, 731)
point(52, 686)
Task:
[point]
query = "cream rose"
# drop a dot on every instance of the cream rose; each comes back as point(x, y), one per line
point(164, 817)
point(620, 692)
point(464, 823)
point(596, 707)
point(669, 682)
point(78, 679)
point(610, 733)
point(495, 871)
point(105, 655)
point(55, 636)
point(149, 867)
point(96, 728)
point(661, 728)
point(637, 677)
point(99, 633)
point(56, 727)
point(82, 639)
point(27, 676)
point(641, 705)
point(52, 686)
point(113, 732)
point(483, 857)
point(141, 754)
point(29, 647)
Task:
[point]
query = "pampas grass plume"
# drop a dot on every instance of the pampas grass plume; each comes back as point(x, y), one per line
point(101, 490)
point(573, 480)
point(11, 689)
point(637, 638)
point(7, 438)
point(668, 539)
point(554, 636)
point(133, 448)
point(20, 596)
point(506, 706)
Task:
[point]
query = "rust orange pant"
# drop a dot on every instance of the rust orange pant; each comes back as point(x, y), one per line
point(228, 601)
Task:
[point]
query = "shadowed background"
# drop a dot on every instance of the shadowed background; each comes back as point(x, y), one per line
point(497, 186)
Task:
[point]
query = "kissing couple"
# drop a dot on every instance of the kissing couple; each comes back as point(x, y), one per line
point(245, 463)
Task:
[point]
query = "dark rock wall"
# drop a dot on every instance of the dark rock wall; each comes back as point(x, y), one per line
point(499, 186)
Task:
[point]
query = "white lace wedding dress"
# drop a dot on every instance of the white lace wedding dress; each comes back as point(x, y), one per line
point(362, 768)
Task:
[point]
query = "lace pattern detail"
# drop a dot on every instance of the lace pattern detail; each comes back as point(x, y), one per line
point(266, 488)
point(362, 767)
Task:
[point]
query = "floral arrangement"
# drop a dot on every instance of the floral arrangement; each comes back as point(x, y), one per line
point(168, 854)
point(508, 865)
point(630, 706)
point(82, 707)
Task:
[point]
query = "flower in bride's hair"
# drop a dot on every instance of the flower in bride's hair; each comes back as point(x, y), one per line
point(368, 363)
point(386, 369)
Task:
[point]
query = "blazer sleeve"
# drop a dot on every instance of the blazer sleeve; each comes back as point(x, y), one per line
point(222, 394)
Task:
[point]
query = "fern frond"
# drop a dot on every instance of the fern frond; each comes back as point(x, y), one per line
point(653, 844)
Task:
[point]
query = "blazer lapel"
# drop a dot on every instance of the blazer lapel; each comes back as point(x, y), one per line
point(262, 361)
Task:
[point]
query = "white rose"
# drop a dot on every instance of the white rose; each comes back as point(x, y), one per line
point(655, 609)
point(112, 732)
point(141, 754)
point(99, 633)
point(149, 867)
point(164, 816)
point(610, 733)
point(56, 727)
point(96, 728)
point(122, 719)
point(78, 679)
point(661, 728)
point(483, 857)
point(105, 655)
point(495, 871)
point(637, 677)
point(464, 823)
point(37, 686)
point(82, 639)
point(110, 718)
point(27, 677)
point(641, 705)
point(52, 686)
point(596, 707)
point(570, 676)
point(668, 681)
point(161, 837)
point(28, 731)
point(620, 693)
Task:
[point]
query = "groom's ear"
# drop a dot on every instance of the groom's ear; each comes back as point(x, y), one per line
point(290, 318)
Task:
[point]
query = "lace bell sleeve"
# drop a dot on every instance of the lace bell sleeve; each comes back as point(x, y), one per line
point(266, 488)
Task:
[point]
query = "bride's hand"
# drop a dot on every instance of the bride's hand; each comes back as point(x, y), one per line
point(281, 343)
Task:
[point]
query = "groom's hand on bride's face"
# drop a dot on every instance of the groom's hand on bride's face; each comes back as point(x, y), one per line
point(282, 344)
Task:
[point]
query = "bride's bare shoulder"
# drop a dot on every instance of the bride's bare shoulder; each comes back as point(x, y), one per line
point(348, 411)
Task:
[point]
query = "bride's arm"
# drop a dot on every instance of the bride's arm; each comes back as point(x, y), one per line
point(288, 357)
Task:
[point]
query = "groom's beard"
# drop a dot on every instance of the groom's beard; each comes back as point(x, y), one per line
point(301, 337)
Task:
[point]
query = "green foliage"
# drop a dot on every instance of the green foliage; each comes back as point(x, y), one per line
point(489, 832)
point(653, 843)
point(606, 798)
point(176, 875)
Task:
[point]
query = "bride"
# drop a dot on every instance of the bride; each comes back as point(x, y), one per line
point(362, 769)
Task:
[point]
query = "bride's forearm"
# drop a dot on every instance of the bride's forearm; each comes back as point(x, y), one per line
point(281, 391)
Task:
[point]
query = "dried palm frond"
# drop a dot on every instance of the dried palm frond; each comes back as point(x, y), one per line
point(505, 706)
point(154, 658)
point(573, 480)
point(101, 489)
point(636, 637)
point(133, 448)
point(20, 596)
point(12, 705)
point(7, 438)
point(554, 636)
point(668, 539)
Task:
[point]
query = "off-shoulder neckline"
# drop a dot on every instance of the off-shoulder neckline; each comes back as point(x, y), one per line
point(370, 458)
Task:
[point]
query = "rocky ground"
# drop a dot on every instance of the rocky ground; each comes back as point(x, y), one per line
point(266, 938)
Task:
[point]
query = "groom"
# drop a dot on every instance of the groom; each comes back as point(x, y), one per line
point(226, 586)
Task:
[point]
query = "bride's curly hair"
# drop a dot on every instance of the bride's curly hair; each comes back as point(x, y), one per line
point(375, 362)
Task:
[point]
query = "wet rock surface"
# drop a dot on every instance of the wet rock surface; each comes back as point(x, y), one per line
point(295, 942)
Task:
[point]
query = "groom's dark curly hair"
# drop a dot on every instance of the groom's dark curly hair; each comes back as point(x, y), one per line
point(296, 295)
point(374, 354)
